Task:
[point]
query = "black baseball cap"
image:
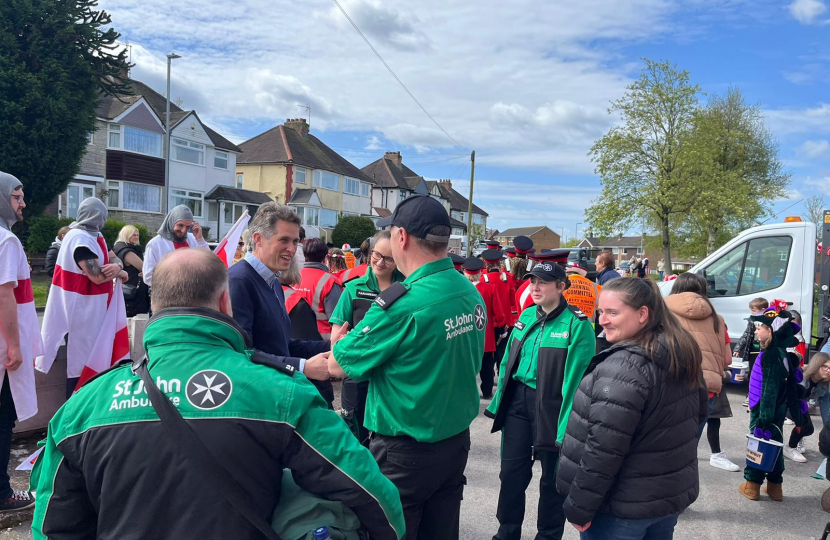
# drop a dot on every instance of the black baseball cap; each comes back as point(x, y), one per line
point(548, 271)
point(418, 214)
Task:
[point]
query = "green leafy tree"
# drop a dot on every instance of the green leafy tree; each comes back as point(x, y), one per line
point(57, 58)
point(643, 163)
point(734, 168)
point(353, 230)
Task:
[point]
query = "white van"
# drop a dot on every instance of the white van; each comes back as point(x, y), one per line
point(773, 261)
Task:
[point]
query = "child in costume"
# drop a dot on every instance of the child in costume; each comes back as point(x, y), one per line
point(771, 391)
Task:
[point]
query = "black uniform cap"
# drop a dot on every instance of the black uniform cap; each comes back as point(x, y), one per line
point(473, 265)
point(417, 215)
point(492, 244)
point(523, 244)
point(491, 255)
point(456, 259)
point(548, 271)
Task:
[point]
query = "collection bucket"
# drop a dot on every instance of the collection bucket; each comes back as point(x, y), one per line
point(761, 454)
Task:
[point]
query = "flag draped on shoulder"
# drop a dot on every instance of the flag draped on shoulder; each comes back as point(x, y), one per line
point(227, 247)
point(113, 343)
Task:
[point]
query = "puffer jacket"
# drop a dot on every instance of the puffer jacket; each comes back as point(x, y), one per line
point(641, 458)
point(695, 315)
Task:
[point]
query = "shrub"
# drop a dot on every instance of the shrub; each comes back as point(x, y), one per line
point(42, 231)
point(353, 230)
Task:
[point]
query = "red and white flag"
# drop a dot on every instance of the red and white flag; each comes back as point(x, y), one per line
point(113, 343)
point(227, 247)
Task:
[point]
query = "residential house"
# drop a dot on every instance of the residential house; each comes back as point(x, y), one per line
point(294, 167)
point(393, 181)
point(124, 161)
point(543, 237)
point(622, 248)
point(459, 206)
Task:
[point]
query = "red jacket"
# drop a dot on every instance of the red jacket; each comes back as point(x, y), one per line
point(350, 274)
point(505, 286)
point(522, 298)
point(315, 287)
point(495, 313)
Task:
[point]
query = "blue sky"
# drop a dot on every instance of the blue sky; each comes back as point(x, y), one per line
point(524, 83)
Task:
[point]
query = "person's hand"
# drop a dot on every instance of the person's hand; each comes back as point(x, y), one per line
point(197, 230)
point(111, 270)
point(340, 334)
point(735, 354)
point(15, 359)
point(141, 274)
point(123, 276)
point(582, 528)
point(317, 367)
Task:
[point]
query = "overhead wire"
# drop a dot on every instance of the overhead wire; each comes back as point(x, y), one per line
point(434, 121)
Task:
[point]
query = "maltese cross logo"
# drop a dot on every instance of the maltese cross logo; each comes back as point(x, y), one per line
point(208, 389)
point(481, 317)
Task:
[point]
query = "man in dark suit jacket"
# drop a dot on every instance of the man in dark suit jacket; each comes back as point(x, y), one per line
point(257, 298)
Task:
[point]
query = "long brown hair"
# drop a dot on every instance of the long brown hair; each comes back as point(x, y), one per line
point(812, 369)
point(685, 359)
point(518, 267)
point(695, 283)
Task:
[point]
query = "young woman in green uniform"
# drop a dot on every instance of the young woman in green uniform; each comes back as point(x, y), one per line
point(358, 296)
point(550, 347)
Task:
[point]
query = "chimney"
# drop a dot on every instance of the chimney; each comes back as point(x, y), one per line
point(299, 125)
point(394, 157)
point(447, 183)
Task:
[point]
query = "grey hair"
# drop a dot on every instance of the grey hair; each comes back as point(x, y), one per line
point(292, 277)
point(265, 220)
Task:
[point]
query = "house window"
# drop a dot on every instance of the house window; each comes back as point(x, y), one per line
point(90, 137)
point(364, 189)
point(300, 174)
point(403, 195)
point(133, 197)
point(351, 186)
point(191, 199)
point(220, 160)
point(326, 180)
point(328, 218)
point(114, 136)
point(188, 152)
point(309, 216)
point(142, 141)
point(75, 195)
point(239, 180)
point(232, 213)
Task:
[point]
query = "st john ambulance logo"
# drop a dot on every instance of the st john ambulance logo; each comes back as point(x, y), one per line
point(481, 317)
point(208, 389)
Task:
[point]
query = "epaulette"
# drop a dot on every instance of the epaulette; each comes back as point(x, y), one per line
point(269, 360)
point(392, 294)
point(576, 311)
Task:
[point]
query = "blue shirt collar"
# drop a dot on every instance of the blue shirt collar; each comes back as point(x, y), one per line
point(265, 272)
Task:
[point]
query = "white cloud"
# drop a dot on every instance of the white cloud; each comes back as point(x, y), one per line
point(373, 143)
point(788, 121)
point(821, 185)
point(814, 149)
point(807, 11)
point(381, 24)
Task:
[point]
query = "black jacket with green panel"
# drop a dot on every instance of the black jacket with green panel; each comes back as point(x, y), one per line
point(109, 470)
point(566, 346)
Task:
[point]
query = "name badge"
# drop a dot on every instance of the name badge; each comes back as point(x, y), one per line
point(369, 295)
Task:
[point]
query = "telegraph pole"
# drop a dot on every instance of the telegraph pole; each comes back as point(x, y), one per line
point(470, 205)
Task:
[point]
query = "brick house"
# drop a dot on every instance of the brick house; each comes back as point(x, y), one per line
point(543, 237)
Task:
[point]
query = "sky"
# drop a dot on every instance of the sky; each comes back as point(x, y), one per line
point(526, 84)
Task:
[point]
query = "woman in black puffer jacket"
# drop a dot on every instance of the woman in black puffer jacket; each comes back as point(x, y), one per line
point(629, 457)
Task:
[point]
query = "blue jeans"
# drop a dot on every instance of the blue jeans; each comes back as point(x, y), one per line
point(608, 527)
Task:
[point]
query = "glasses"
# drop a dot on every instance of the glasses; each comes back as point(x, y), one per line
point(240, 244)
point(18, 198)
point(386, 260)
point(825, 367)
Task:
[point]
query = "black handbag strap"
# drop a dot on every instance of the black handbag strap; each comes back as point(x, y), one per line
point(196, 452)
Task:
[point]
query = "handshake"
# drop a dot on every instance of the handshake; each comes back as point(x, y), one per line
point(323, 366)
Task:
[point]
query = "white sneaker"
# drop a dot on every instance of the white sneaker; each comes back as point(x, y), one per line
point(788, 422)
point(801, 447)
point(720, 461)
point(794, 455)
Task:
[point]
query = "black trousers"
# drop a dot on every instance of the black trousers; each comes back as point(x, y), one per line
point(8, 416)
point(517, 471)
point(488, 374)
point(430, 479)
point(353, 403)
point(501, 347)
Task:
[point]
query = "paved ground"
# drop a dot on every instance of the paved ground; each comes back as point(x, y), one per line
point(719, 513)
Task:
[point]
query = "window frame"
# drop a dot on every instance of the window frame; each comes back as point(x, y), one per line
point(190, 146)
point(351, 183)
point(304, 181)
point(216, 154)
point(187, 195)
point(90, 138)
point(746, 246)
point(317, 179)
point(240, 180)
point(120, 188)
point(121, 131)
point(114, 129)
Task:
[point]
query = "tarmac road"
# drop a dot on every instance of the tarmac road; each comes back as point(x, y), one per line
point(719, 513)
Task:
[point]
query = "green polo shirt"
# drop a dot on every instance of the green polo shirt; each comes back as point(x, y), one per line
point(421, 356)
point(529, 355)
point(360, 289)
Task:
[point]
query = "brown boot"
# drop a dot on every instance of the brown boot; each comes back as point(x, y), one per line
point(775, 491)
point(750, 490)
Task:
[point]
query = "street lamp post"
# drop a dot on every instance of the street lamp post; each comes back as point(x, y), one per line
point(576, 234)
point(165, 190)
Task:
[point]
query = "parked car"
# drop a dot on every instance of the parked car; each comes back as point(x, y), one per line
point(624, 269)
point(479, 248)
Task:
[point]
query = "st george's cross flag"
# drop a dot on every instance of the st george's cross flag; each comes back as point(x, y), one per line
point(227, 247)
point(113, 343)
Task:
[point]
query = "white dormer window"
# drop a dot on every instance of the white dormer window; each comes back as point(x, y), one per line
point(188, 152)
point(220, 160)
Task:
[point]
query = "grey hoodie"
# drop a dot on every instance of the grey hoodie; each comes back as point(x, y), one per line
point(179, 213)
point(92, 215)
point(8, 184)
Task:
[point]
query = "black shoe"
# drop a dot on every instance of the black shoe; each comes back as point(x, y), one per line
point(20, 500)
point(490, 396)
